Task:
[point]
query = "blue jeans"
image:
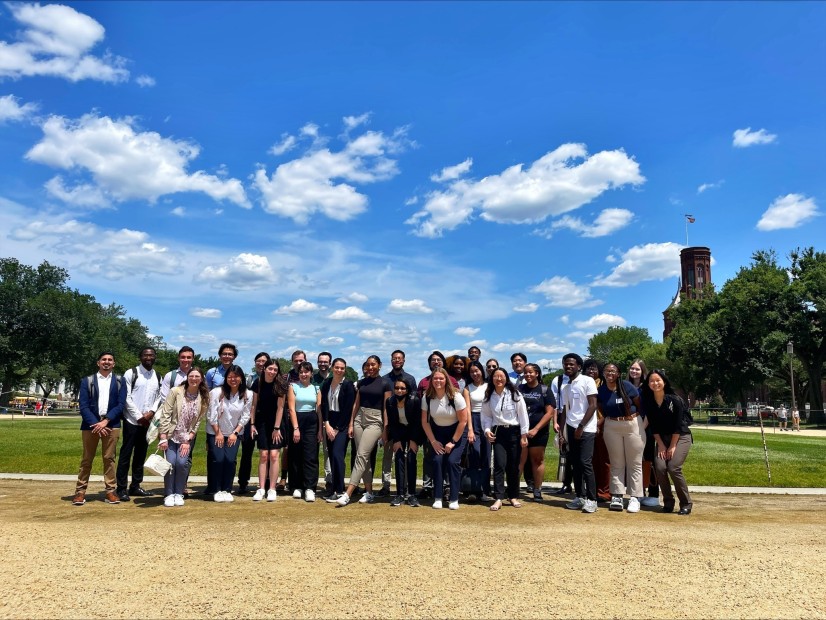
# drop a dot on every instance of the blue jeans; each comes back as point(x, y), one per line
point(174, 482)
point(449, 462)
point(223, 465)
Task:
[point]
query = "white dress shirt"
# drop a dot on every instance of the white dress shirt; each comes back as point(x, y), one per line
point(503, 410)
point(146, 395)
point(104, 385)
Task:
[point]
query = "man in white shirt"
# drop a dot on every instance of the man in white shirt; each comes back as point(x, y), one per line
point(174, 378)
point(579, 397)
point(518, 361)
point(143, 398)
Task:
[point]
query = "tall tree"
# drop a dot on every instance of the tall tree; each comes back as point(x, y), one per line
point(620, 345)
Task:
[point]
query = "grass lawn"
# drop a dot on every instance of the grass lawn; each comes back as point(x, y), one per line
point(723, 458)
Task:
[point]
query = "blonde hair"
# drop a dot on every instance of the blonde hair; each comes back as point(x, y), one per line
point(449, 389)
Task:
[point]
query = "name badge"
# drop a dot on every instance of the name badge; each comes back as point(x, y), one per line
point(619, 401)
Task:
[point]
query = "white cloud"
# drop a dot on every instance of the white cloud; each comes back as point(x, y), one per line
point(55, 40)
point(408, 306)
point(746, 137)
point(145, 81)
point(350, 313)
point(789, 211)
point(601, 321)
point(607, 222)
point(206, 313)
point(243, 272)
point(707, 186)
point(323, 181)
point(125, 164)
point(331, 340)
point(560, 181)
point(562, 292)
point(81, 195)
point(565, 319)
point(351, 122)
point(467, 332)
point(298, 306)
point(11, 110)
point(390, 336)
point(476, 343)
point(652, 261)
point(287, 143)
point(528, 346)
point(178, 211)
point(108, 254)
point(353, 298)
point(452, 173)
point(531, 307)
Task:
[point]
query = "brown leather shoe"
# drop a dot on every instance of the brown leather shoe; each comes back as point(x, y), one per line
point(112, 498)
point(79, 499)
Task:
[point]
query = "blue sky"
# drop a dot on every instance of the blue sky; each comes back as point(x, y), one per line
point(358, 177)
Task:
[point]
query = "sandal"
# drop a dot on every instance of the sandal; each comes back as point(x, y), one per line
point(516, 503)
point(496, 505)
point(281, 485)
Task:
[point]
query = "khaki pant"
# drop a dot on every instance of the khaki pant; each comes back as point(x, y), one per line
point(625, 443)
point(674, 469)
point(90, 448)
point(367, 430)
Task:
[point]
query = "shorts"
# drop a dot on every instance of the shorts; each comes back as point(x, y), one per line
point(540, 440)
point(264, 438)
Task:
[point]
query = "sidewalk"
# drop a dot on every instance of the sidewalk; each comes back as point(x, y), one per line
point(546, 488)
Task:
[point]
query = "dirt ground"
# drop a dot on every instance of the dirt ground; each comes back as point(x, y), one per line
point(736, 556)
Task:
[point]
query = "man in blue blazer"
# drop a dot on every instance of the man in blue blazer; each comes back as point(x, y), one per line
point(102, 399)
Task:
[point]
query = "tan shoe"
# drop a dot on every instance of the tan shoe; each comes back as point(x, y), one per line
point(112, 498)
point(79, 499)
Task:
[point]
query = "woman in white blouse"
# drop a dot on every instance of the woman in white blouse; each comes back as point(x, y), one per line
point(505, 421)
point(229, 412)
point(444, 421)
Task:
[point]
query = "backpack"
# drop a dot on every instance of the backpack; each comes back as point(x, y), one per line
point(135, 377)
point(450, 404)
point(90, 381)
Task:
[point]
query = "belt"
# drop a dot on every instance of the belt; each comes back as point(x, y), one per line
point(625, 418)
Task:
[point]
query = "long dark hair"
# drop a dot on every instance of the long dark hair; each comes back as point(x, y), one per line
point(648, 402)
point(481, 369)
point(620, 391)
point(279, 381)
point(242, 387)
point(508, 385)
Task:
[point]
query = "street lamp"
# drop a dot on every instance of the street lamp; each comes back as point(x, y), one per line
point(790, 351)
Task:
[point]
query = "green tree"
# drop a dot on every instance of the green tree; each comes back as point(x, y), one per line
point(620, 345)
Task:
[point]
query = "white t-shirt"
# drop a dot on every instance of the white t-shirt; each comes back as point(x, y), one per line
point(477, 395)
point(575, 398)
point(441, 413)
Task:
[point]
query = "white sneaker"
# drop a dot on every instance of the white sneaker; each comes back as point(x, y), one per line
point(272, 495)
point(218, 497)
point(367, 498)
point(228, 497)
point(616, 504)
point(454, 505)
point(297, 494)
point(259, 495)
point(179, 500)
point(169, 501)
point(437, 504)
point(343, 500)
point(633, 505)
point(309, 495)
point(590, 506)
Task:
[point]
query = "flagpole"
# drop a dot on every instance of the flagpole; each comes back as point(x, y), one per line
point(686, 231)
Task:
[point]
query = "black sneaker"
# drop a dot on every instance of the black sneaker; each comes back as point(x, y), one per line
point(397, 501)
point(413, 501)
point(383, 492)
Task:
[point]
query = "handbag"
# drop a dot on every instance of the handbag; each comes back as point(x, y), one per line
point(157, 464)
point(153, 429)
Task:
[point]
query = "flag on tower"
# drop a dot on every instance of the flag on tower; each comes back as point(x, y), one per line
point(690, 218)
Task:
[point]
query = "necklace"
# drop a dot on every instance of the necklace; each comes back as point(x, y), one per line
point(191, 396)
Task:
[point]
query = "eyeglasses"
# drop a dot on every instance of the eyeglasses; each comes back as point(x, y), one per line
point(491, 367)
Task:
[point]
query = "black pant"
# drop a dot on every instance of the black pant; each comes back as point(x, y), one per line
point(303, 456)
point(581, 454)
point(405, 464)
point(212, 483)
point(506, 453)
point(133, 445)
point(247, 450)
point(337, 449)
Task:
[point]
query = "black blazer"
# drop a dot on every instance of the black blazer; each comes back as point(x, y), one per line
point(346, 399)
point(397, 431)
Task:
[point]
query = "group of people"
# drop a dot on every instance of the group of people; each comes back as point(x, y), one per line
point(480, 429)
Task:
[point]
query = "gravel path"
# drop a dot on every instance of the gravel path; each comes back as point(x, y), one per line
point(736, 556)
